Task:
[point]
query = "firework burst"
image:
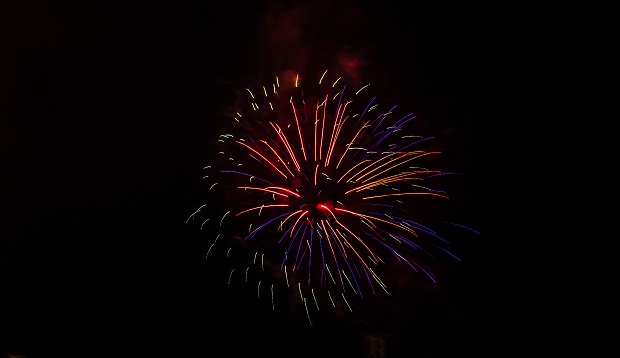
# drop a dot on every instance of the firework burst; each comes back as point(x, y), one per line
point(322, 187)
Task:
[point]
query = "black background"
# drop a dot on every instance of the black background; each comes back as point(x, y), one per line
point(105, 111)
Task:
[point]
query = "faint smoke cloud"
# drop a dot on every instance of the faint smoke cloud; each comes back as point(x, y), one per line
point(309, 37)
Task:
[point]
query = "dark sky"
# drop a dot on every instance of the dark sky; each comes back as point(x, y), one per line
point(106, 107)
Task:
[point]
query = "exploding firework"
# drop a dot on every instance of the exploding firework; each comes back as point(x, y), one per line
point(323, 188)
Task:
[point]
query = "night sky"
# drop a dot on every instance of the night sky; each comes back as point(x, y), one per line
point(105, 116)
